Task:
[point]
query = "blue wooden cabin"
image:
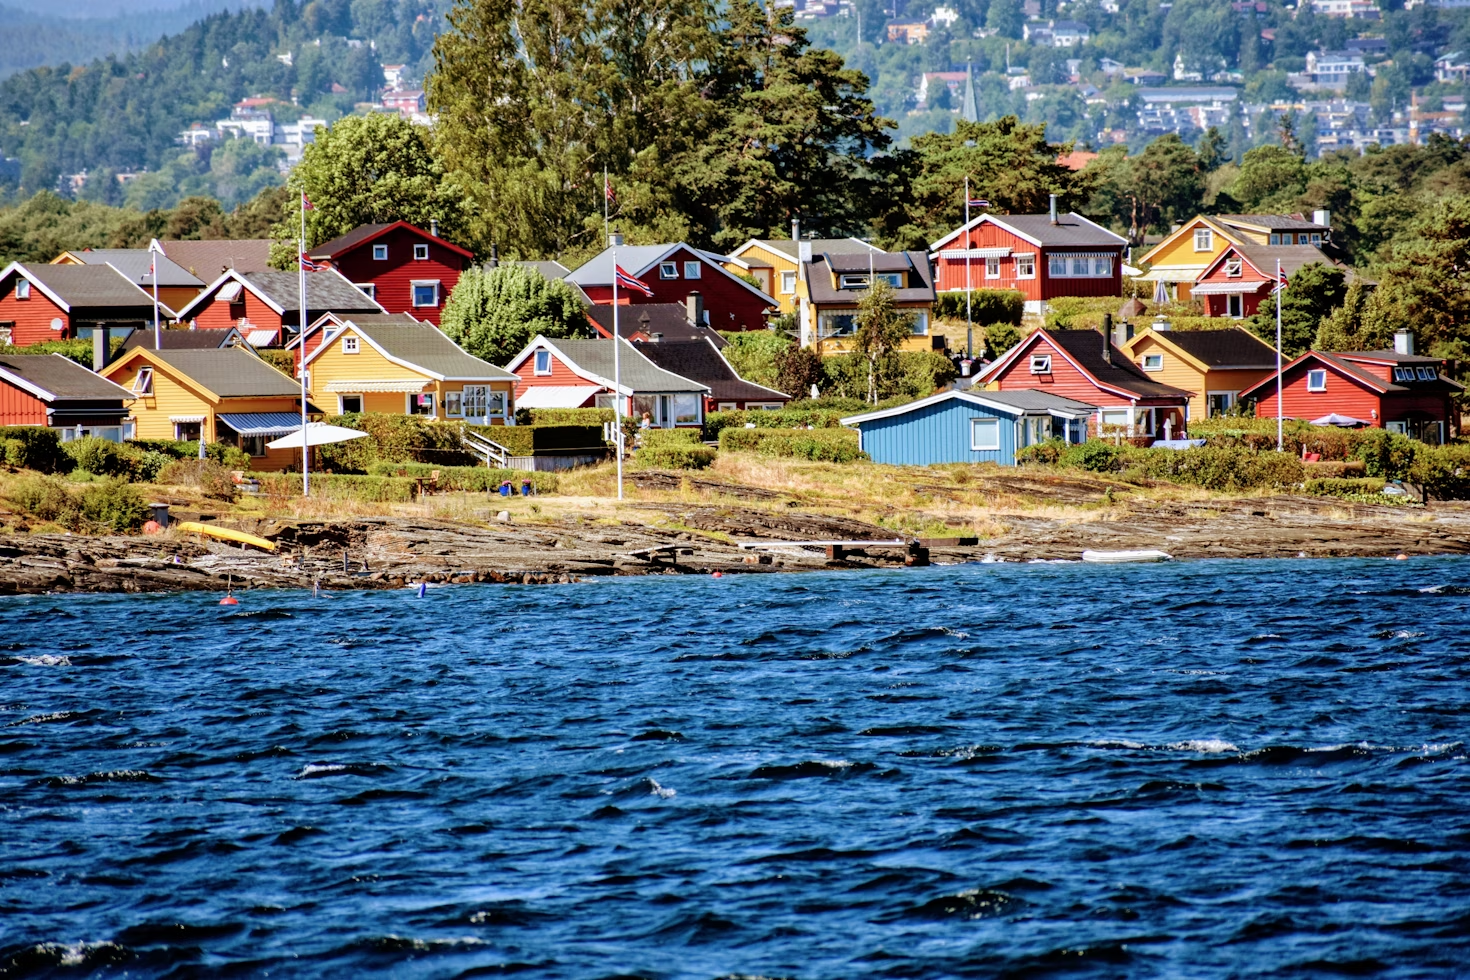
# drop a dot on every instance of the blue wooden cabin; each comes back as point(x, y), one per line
point(969, 427)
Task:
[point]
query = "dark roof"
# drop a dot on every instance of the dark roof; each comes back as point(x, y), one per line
point(1070, 229)
point(1390, 355)
point(362, 319)
point(1233, 347)
point(208, 259)
point(422, 345)
point(1292, 257)
point(182, 339)
point(1086, 348)
point(230, 372)
point(366, 233)
point(1275, 222)
point(698, 360)
point(637, 372)
point(324, 291)
point(822, 290)
point(137, 265)
point(1344, 361)
point(62, 378)
point(90, 286)
point(669, 319)
point(832, 246)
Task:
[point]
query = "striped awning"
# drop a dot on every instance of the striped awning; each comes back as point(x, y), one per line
point(1228, 288)
point(262, 423)
point(365, 387)
point(1167, 274)
point(996, 252)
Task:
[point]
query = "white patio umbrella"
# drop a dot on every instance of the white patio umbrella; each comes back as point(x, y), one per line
point(1347, 421)
point(1161, 291)
point(317, 434)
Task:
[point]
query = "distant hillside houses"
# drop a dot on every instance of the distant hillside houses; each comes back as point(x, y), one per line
point(253, 119)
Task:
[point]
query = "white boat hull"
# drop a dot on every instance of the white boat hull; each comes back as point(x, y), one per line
point(1118, 557)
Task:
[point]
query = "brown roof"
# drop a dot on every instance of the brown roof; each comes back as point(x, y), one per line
point(1233, 347)
point(698, 360)
point(208, 259)
point(1293, 257)
point(61, 378)
point(1086, 348)
point(669, 319)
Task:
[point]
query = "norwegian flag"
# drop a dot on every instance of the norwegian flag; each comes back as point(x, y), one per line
point(1280, 282)
point(628, 282)
point(306, 204)
point(311, 266)
point(978, 202)
point(607, 190)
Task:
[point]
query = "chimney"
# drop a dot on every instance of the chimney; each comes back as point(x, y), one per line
point(614, 240)
point(1053, 209)
point(654, 338)
point(494, 256)
point(694, 308)
point(1113, 331)
point(1107, 346)
point(434, 227)
point(1403, 342)
point(1323, 218)
point(101, 338)
point(1161, 324)
point(796, 229)
point(643, 322)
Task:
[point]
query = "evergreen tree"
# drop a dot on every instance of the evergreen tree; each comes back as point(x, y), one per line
point(1311, 294)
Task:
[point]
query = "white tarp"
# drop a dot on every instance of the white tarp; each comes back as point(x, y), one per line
point(556, 396)
point(317, 434)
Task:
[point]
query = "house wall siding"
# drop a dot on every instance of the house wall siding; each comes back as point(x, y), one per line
point(1250, 302)
point(938, 433)
point(216, 314)
point(779, 262)
point(32, 317)
point(561, 375)
point(19, 407)
point(1344, 395)
point(730, 305)
point(393, 277)
point(1064, 379)
point(1181, 374)
point(949, 273)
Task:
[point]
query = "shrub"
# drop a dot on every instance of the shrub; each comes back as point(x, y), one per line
point(1047, 453)
point(398, 438)
point(674, 456)
point(39, 448)
point(671, 437)
point(986, 306)
point(230, 457)
point(149, 463)
point(282, 360)
point(473, 479)
point(1223, 468)
point(1095, 455)
point(828, 445)
point(786, 418)
point(1443, 472)
point(1334, 486)
point(100, 456)
point(757, 355)
point(341, 486)
point(564, 416)
point(212, 479)
point(47, 498)
point(73, 350)
point(1386, 454)
point(115, 505)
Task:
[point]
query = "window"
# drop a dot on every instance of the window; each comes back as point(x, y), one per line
point(426, 293)
point(1204, 240)
point(1041, 364)
point(992, 268)
point(143, 383)
point(1426, 374)
point(253, 445)
point(692, 270)
point(894, 279)
point(1025, 267)
point(421, 404)
point(668, 270)
point(350, 345)
point(349, 404)
point(1317, 380)
point(380, 253)
point(1234, 306)
point(1153, 362)
point(1115, 418)
point(727, 406)
point(495, 403)
point(985, 435)
point(1400, 427)
point(1056, 266)
point(1316, 238)
point(1233, 268)
point(788, 283)
point(187, 431)
point(1220, 402)
point(453, 404)
point(1075, 266)
point(7, 331)
point(852, 281)
point(1275, 239)
point(543, 362)
point(1403, 374)
point(920, 325)
point(1102, 266)
point(371, 288)
point(838, 324)
point(23, 289)
point(1081, 267)
point(421, 253)
point(686, 409)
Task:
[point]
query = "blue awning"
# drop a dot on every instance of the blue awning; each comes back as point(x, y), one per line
point(262, 423)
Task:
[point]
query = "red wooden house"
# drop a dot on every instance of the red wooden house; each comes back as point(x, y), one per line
point(1242, 276)
point(1042, 256)
point(55, 302)
point(403, 267)
point(1390, 389)
point(1084, 366)
point(56, 392)
point(581, 374)
point(673, 273)
point(265, 306)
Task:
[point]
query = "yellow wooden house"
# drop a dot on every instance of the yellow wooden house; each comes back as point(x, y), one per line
point(776, 264)
point(224, 395)
point(399, 365)
point(1180, 258)
point(1214, 366)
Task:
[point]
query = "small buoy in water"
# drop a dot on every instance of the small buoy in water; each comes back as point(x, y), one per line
point(717, 574)
point(229, 600)
point(1402, 558)
point(423, 589)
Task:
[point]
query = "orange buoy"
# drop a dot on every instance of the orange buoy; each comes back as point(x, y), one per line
point(152, 527)
point(229, 600)
point(717, 574)
point(1402, 558)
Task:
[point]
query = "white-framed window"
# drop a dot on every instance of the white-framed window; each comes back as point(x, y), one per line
point(1402, 428)
point(894, 279)
point(1056, 266)
point(764, 406)
point(726, 406)
point(421, 253)
point(1316, 238)
point(1025, 267)
point(692, 270)
point(1220, 402)
point(1317, 380)
point(143, 382)
point(1115, 417)
point(686, 409)
point(838, 324)
point(1403, 374)
point(7, 332)
point(380, 253)
point(1153, 362)
point(543, 362)
point(22, 289)
point(371, 288)
point(351, 345)
point(1075, 266)
point(1426, 374)
point(1041, 364)
point(1275, 239)
point(1081, 266)
point(426, 293)
point(992, 267)
point(421, 404)
point(349, 404)
point(984, 435)
point(1233, 267)
point(853, 280)
point(1204, 240)
point(453, 404)
point(1234, 306)
point(495, 403)
point(668, 270)
point(788, 283)
point(1102, 266)
point(187, 431)
point(920, 326)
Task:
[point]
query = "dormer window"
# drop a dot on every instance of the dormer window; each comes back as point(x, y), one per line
point(1233, 268)
point(668, 270)
point(1426, 374)
point(853, 281)
point(1403, 374)
point(22, 289)
point(1041, 364)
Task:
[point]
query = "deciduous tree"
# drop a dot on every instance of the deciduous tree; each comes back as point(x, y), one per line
point(495, 314)
point(881, 329)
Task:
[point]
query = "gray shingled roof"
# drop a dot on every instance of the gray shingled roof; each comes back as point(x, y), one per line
point(1276, 222)
point(63, 378)
point(324, 291)
point(1232, 347)
point(91, 286)
point(208, 259)
point(1086, 348)
point(638, 372)
point(1292, 257)
point(1070, 229)
point(230, 372)
point(598, 270)
point(423, 346)
point(137, 265)
point(669, 319)
point(823, 291)
point(699, 361)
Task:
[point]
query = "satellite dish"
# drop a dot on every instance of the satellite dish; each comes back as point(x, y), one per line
point(57, 324)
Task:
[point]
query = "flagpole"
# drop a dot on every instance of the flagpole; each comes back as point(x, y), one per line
point(605, 237)
point(617, 363)
point(1280, 411)
point(153, 254)
point(301, 347)
point(969, 323)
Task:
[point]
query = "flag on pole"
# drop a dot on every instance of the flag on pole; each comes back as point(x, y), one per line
point(306, 204)
point(607, 190)
point(309, 265)
point(977, 202)
point(628, 282)
point(1280, 281)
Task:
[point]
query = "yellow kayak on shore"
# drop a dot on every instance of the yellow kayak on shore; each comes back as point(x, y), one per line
point(225, 534)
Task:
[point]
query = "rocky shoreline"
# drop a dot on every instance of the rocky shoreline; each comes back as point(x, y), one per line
point(389, 552)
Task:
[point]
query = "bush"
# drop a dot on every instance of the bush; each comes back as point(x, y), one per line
point(1220, 468)
point(674, 456)
point(1095, 455)
point(1335, 486)
point(212, 479)
point(827, 445)
point(986, 306)
point(756, 355)
point(73, 350)
point(671, 437)
point(564, 416)
point(397, 438)
point(47, 498)
point(149, 463)
point(230, 457)
point(473, 479)
point(341, 486)
point(786, 418)
point(282, 360)
point(1443, 472)
point(34, 447)
point(1386, 454)
point(115, 505)
point(101, 456)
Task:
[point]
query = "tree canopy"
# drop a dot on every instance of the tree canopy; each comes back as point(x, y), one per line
point(495, 314)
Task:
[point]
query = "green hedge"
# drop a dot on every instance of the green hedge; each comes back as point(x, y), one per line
point(108, 505)
point(564, 416)
point(406, 438)
point(341, 486)
point(1211, 467)
point(1443, 471)
point(986, 305)
point(674, 456)
point(786, 418)
point(671, 437)
point(73, 350)
point(468, 478)
point(1338, 486)
point(828, 445)
point(33, 447)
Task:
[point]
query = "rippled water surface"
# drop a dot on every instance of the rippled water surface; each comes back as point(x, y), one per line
point(1216, 769)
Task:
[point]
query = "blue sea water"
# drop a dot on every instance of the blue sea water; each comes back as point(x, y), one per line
point(1205, 770)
